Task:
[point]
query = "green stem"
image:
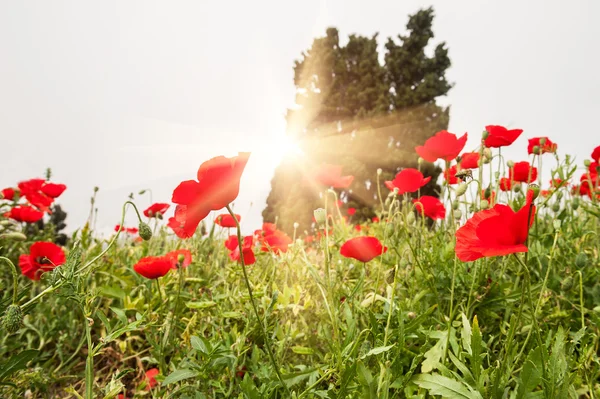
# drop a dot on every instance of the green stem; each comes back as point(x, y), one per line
point(89, 363)
point(258, 319)
point(15, 276)
point(581, 298)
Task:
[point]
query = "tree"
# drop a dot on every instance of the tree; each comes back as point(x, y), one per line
point(353, 111)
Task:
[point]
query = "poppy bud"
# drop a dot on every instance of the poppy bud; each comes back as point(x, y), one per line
point(567, 283)
point(575, 203)
point(487, 193)
point(559, 195)
point(14, 236)
point(485, 135)
point(536, 149)
point(510, 164)
point(379, 171)
point(396, 190)
point(13, 318)
point(556, 207)
point(296, 225)
point(517, 188)
point(557, 223)
point(411, 315)
point(457, 214)
point(410, 218)
point(96, 188)
point(542, 141)
point(533, 191)
point(461, 189)
point(487, 153)
point(581, 260)
point(484, 204)
point(320, 215)
point(587, 163)
point(145, 231)
point(420, 160)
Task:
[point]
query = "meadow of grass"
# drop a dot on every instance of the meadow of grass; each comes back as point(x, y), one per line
point(414, 322)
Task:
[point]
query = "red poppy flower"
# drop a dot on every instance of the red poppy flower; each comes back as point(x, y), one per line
point(53, 190)
point(309, 239)
point(31, 185)
point(430, 206)
point(218, 185)
point(8, 194)
point(506, 184)
point(151, 377)
point(276, 241)
point(331, 176)
point(351, 211)
point(43, 256)
point(267, 228)
point(548, 146)
point(153, 267)
point(363, 249)
point(596, 154)
point(24, 213)
point(469, 160)
point(407, 180)
point(545, 193)
point(450, 175)
point(179, 258)
point(555, 183)
point(226, 220)
point(39, 200)
point(375, 219)
point(499, 136)
point(443, 145)
point(247, 250)
point(157, 209)
point(494, 232)
point(520, 172)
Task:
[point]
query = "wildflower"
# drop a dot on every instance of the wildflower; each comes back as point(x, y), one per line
point(469, 160)
point(556, 183)
point(151, 377)
point(180, 258)
point(351, 211)
point(331, 176)
point(543, 143)
point(8, 194)
point(523, 172)
point(276, 241)
point(53, 190)
point(443, 145)
point(217, 186)
point(494, 232)
point(596, 154)
point(24, 213)
point(226, 220)
point(407, 180)
point(363, 249)
point(506, 184)
point(430, 206)
point(499, 136)
point(156, 210)
point(450, 175)
point(153, 267)
point(43, 256)
point(247, 249)
point(31, 190)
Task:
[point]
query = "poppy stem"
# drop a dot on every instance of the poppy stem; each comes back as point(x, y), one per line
point(258, 319)
point(15, 276)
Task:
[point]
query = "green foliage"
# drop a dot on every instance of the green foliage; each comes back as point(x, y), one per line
point(353, 111)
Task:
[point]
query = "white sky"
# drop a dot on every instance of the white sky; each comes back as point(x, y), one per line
point(133, 95)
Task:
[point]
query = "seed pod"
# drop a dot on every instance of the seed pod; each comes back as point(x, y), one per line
point(484, 204)
point(320, 215)
point(457, 214)
point(455, 205)
point(556, 207)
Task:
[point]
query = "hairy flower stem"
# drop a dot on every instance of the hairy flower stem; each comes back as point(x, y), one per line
point(173, 315)
point(89, 362)
point(15, 276)
point(258, 319)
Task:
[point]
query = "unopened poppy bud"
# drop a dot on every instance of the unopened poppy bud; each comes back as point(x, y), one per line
point(559, 195)
point(411, 315)
point(455, 205)
point(396, 190)
point(461, 189)
point(420, 160)
point(587, 163)
point(180, 258)
point(145, 231)
point(567, 283)
point(487, 193)
point(296, 225)
point(581, 260)
point(410, 218)
point(457, 214)
point(536, 149)
point(510, 164)
point(379, 171)
point(13, 318)
point(485, 135)
point(487, 153)
point(96, 188)
point(533, 191)
point(557, 223)
point(517, 188)
point(15, 236)
point(497, 175)
point(484, 204)
point(556, 207)
point(575, 203)
point(542, 141)
point(320, 215)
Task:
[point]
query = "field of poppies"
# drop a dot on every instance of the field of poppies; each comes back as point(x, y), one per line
point(491, 290)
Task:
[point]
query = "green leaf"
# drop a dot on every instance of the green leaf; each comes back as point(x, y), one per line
point(120, 315)
point(232, 315)
point(199, 344)
point(302, 350)
point(476, 346)
point(376, 351)
point(112, 292)
point(179, 375)
point(531, 375)
point(17, 362)
point(445, 387)
point(466, 334)
point(435, 353)
point(201, 305)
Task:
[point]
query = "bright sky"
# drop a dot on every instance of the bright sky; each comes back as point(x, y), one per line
point(134, 95)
